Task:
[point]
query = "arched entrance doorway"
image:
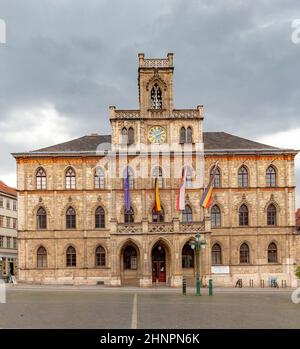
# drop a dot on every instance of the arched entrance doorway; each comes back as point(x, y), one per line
point(130, 266)
point(159, 263)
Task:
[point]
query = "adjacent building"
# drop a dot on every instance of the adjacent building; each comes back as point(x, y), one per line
point(8, 231)
point(298, 219)
point(87, 209)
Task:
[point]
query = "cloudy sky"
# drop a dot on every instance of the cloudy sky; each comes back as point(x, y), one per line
point(65, 61)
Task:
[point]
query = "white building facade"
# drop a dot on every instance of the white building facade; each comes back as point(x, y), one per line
point(8, 231)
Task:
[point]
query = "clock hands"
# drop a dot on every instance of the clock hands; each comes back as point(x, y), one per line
point(157, 134)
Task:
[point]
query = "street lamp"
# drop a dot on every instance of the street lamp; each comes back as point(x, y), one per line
point(197, 244)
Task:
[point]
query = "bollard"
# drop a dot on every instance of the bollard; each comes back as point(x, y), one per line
point(210, 287)
point(184, 287)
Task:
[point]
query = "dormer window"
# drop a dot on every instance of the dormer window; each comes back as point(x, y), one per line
point(156, 100)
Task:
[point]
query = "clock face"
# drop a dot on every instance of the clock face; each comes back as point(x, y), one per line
point(157, 135)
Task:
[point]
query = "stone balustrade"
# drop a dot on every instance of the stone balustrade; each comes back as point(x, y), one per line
point(157, 113)
point(161, 228)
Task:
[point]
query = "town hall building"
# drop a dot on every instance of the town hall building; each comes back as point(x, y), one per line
point(74, 226)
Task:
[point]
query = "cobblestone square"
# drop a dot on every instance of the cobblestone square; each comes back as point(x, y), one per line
point(47, 307)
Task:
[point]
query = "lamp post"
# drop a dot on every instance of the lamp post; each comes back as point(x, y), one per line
point(197, 244)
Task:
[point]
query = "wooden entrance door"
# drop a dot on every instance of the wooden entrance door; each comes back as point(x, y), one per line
point(158, 264)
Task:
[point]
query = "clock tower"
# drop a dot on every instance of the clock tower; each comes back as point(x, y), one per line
point(156, 121)
point(155, 80)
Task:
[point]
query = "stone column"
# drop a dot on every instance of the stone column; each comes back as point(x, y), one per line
point(146, 277)
point(176, 270)
point(115, 279)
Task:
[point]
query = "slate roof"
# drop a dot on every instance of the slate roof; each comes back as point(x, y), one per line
point(223, 140)
point(213, 142)
point(85, 143)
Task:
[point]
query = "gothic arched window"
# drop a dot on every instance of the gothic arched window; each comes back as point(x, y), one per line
point(243, 215)
point(70, 218)
point(244, 253)
point(187, 214)
point(189, 135)
point(216, 255)
point(41, 218)
point(182, 135)
point(156, 97)
point(100, 218)
point(99, 178)
point(129, 216)
point(71, 257)
point(189, 177)
point(158, 217)
point(272, 253)
point(217, 180)
point(129, 176)
point(215, 216)
point(130, 136)
point(124, 136)
point(100, 257)
point(157, 173)
point(271, 177)
point(243, 177)
point(41, 179)
point(271, 215)
point(41, 257)
point(70, 178)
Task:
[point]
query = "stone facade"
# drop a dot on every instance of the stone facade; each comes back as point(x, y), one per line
point(144, 251)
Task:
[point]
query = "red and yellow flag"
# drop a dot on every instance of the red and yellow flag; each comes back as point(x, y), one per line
point(207, 195)
point(157, 199)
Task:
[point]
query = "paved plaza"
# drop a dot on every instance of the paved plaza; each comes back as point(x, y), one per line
point(108, 308)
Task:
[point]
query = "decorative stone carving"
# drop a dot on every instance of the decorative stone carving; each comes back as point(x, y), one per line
point(185, 113)
point(191, 228)
point(127, 114)
point(160, 228)
point(155, 63)
point(130, 228)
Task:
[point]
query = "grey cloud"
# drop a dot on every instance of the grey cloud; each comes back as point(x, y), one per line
point(235, 57)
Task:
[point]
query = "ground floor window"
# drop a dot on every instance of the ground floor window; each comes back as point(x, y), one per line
point(216, 254)
point(244, 254)
point(42, 257)
point(100, 256)
point(71, 257)
point(272, 253)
